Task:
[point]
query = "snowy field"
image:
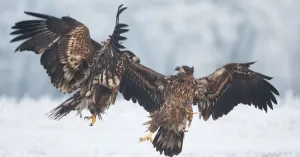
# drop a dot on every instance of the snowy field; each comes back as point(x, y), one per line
point(27, 132)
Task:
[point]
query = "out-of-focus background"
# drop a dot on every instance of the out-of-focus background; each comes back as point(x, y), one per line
point(164, 34)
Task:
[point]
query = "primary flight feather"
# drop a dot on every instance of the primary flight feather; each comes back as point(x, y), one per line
point(169, 99)
point(70, 56)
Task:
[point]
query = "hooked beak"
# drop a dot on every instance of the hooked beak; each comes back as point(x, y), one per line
point(177, 68)
point(136, 60)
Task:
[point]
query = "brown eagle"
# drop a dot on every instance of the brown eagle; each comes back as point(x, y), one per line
point(172, 98)
point(68, 54)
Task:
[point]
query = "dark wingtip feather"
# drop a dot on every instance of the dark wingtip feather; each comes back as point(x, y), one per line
point(118, 30)
point(264, 76)
point(247, 64)
point(14, 27)
point(43, 16)
point(12, 40)
point(274, 90)
point(120, 6)
point(250, 63)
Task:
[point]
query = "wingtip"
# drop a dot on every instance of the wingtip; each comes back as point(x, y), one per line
point(13, 27)
point(28, 12)
point(38, 15)
point(268, 77)
point(247, 64)
point(250, 63)
point(121, 5)
point(121, 8)
point(276, 92)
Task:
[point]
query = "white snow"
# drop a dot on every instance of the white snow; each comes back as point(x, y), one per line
point(27, 132)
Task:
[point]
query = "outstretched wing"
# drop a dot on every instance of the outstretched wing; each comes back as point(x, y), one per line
point(230, 85)
point(143, 85)
point(107, 60)
point(64, 43)
point(114, 70)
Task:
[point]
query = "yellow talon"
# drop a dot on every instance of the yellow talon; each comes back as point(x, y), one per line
point(189, 112)
point(189, 116)
point(148, 138)
point(93, 117)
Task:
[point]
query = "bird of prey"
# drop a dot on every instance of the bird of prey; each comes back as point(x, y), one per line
point(172, 98)
point(68, 54)
point(74, 61)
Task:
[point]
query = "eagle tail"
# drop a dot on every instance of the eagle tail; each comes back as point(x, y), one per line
point(71, 104)
point(168, 141)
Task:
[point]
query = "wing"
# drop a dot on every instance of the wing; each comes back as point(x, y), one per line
point(143, 85)
point(230, 85)
point(136, 82)
point(64, 43)
point(107, 60)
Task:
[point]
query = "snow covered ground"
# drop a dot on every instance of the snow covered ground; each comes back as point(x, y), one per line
point(27, 132)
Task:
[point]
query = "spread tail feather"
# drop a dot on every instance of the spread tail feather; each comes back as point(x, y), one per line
point(67, 106)
point(168, 141)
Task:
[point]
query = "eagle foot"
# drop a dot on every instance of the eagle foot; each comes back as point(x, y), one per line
point(189, 112)
point(93, 118)
point(147, 138)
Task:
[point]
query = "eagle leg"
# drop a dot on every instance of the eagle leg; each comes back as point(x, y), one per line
point(189, 116)
point(147, 137)
point(189, 112)
point(79, 112)
point(93, 117)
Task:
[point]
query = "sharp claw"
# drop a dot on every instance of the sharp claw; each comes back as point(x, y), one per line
point(93, 118)
point(147, 138)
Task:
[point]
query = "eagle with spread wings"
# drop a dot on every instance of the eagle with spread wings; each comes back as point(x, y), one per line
point(69, 54)
point(171, 98)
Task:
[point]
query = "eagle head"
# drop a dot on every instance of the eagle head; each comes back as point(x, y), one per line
point(185, 70)
point(132, 57)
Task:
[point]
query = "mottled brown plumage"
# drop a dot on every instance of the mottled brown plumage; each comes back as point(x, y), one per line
point(230, 85)
point(69, 56)
point(74, 61)
point(64, 43)
point(100, 97)
point(169, 99)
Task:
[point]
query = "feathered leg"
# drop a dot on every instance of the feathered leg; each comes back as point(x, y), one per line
point(153, 126)
point(189, 114)
point(148, 137)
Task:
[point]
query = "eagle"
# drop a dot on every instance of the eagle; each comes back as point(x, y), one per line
point(68, 54)
point(75, 62)
point(171, 98)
